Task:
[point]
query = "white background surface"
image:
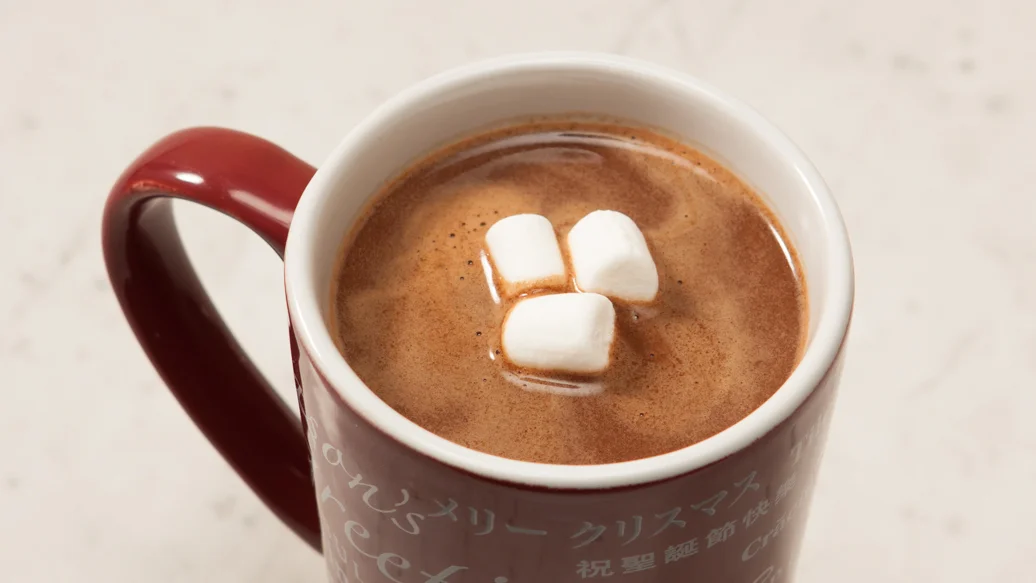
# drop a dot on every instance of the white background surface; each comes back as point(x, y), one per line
point(920, 114)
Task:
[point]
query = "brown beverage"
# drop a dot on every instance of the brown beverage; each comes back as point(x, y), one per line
point(414, 317)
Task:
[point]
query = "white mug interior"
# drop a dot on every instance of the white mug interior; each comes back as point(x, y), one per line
point(460, 102)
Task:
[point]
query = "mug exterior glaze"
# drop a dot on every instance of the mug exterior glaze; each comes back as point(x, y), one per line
point(389, 501)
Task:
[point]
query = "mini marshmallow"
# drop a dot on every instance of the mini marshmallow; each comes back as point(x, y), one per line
point(570, 332)
point(525, 253)
point(610, 256)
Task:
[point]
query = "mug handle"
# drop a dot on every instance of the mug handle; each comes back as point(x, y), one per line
point(258, 184)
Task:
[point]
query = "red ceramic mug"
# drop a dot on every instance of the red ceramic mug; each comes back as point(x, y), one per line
point(388, 501)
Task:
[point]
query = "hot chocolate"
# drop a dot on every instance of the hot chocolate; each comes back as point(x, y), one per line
point(419, 303)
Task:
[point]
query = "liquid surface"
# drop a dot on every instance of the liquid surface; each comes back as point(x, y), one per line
point(415, 316)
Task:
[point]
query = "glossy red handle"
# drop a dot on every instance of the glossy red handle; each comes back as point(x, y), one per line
point(258, 184)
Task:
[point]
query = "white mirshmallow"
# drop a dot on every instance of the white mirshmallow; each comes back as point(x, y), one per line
point(525, 253)
point(610, 256)
point(567, 333)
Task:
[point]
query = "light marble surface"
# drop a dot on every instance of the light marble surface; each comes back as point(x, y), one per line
point(920, 114)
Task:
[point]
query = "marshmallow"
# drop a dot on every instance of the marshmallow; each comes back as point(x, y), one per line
point(571, 332)
point(610, 256)
point(525, 253)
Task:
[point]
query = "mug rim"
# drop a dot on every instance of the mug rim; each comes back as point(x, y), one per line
point(311, 331)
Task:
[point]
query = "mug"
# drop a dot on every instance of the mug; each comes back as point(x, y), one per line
point(386, 500)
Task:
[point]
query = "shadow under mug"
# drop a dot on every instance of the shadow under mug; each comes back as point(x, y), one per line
point(388, 501)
